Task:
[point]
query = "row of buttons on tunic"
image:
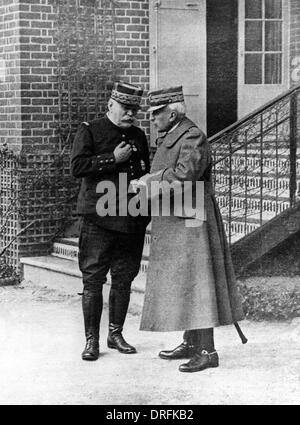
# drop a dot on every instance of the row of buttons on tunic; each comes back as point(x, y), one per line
point(131, 166)
point(130, 160)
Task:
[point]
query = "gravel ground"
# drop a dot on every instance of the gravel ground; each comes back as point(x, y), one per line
point(41, 335)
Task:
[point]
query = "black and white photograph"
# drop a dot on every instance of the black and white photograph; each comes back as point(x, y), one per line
point(149, 205)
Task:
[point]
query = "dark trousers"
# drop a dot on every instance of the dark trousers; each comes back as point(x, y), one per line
point(101, 250)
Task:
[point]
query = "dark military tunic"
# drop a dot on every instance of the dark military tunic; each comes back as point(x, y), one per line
point(106, 243)
point(93, 160)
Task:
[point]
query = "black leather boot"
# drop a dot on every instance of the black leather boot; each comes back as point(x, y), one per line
point(115, 340)
point(92, 304)
point(118, 306)
point(201, 361)
point(205, 355)
point(185, 350)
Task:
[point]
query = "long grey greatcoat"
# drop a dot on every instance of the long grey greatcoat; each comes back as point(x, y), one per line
point(190, 281)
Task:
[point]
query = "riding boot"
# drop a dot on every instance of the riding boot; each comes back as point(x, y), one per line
point(118, 306)
point(185, 350)
point(205, 354)
point(92, 304)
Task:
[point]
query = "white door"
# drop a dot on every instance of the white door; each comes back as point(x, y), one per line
point(263, 52)
point(178, 52)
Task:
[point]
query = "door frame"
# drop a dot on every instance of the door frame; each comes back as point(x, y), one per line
point(197, 88)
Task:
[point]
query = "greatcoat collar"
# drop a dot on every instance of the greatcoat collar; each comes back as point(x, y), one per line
point(169, 139)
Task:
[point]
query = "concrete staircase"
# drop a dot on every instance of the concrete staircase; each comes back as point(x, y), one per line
point(261, 241)
point(60, 270)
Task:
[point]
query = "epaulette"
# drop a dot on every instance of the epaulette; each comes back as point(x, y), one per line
point(86, 123)
point(195, 131)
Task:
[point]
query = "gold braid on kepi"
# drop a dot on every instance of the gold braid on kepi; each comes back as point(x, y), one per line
point(127, 94)
point(160, 98)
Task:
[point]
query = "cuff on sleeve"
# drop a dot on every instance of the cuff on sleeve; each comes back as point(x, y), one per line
point(105, 162)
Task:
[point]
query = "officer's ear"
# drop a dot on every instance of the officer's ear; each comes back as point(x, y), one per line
point(110, 104)
point(173, 116)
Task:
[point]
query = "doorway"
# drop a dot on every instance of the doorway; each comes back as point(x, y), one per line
point(222, 65)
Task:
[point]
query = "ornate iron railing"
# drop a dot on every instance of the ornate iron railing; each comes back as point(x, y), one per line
point(255, 165)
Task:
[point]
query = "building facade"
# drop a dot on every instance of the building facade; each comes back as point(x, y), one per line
point(56, 58)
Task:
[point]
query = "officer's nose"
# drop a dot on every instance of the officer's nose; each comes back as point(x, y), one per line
point(130, 112)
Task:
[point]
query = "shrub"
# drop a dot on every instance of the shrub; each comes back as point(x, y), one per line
point(270, 303)
point(8, 275)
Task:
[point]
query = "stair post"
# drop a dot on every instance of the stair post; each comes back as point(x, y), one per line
point(293, 148)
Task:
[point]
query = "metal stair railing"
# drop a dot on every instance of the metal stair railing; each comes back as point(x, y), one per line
point(255, 166)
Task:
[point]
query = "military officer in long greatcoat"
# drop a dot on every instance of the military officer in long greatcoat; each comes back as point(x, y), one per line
point(111, 149)
point(191, 284)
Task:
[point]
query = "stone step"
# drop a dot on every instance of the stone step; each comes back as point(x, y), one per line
point(63, 249)
point(68, 248)
point(63, 274)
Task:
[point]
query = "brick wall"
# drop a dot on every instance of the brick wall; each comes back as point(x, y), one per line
point(10, 119)
point(28, 67)
point(132, 47)
point(39, 95)
point(30, 96)
point(27, 74)
point(39, 138)
point(10, 105)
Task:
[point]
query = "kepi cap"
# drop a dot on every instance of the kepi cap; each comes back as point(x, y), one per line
point(127, 94)
point(160, 98)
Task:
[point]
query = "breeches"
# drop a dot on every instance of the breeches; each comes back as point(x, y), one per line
point(101, 250)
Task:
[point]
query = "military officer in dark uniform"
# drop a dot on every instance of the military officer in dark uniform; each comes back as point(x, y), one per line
point(109, 149)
